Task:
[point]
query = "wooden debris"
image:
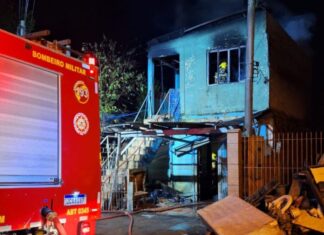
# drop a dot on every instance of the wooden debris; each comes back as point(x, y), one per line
point(306, 220)
point(314, 187)
point(295, 189)
point(321, 161)
point(259, 195)
point(137, 177)
point(318, 174)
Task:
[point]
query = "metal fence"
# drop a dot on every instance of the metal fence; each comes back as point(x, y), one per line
point(278, 158)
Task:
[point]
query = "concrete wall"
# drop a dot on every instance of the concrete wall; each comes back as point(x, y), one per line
point(198, 99)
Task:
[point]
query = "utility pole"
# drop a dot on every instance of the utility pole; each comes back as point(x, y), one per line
point(25, 13)
point(249, 68)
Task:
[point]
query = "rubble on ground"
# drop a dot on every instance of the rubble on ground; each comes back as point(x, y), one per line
point(272, 209)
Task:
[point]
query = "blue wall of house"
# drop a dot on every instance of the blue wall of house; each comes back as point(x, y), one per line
point(200, 101)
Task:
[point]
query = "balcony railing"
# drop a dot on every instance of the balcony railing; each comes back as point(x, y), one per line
point(169, 109)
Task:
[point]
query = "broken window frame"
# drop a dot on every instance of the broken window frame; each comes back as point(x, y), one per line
point(240, 65)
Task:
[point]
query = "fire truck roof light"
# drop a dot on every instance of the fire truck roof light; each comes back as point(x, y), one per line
point(92, 61)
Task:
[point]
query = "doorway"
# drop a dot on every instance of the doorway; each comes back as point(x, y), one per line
point(166, 77)
point(212, 175)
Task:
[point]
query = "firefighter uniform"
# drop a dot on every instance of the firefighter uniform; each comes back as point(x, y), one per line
point(221, 74)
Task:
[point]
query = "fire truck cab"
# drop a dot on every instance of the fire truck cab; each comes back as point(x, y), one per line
point(49, 140)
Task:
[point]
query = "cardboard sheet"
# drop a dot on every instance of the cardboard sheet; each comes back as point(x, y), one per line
point(233, 216)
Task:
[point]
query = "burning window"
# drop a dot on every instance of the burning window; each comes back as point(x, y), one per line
point(226, 66)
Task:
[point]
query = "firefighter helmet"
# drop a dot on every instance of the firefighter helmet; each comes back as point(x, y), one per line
point(223, 65)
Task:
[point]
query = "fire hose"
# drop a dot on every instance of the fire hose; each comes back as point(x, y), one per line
point(51, 217)
point(130, 214)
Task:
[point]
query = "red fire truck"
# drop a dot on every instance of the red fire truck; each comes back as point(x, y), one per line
point(49, 140)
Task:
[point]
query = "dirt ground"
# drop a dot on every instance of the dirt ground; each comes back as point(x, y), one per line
point(176, 222)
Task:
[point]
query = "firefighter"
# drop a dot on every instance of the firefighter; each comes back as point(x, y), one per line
point(221, 74)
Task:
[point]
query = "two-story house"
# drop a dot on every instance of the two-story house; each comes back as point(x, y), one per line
point(197, 75)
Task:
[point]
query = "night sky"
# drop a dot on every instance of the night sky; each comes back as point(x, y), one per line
point(126, 21)
point(133, 23)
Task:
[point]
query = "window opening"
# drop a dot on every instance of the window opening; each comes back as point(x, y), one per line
point(166, 71)
point(242, 63)
point(234, 68)
point(226, 66)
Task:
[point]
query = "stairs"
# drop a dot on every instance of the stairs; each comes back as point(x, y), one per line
point(118, 159)
point(124, 151)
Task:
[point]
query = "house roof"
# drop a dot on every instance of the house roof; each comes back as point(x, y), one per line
point(184, 31)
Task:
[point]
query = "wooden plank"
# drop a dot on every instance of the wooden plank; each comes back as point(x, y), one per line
point(37, 35)
point(319, 195)
point(232, 216)
point(260, 194)
point(308, 221)
point(64, 42)
point(256, 164)
point(318, 174)
point(295, 189)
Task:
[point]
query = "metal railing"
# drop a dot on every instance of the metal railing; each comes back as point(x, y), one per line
point(108, 162)
point(115, 169)
point(142, 110)
point(278, 158)
point(169, 109)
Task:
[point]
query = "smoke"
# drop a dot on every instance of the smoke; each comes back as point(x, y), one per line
point(193, 12)
point(188, 13)
point(299, 27)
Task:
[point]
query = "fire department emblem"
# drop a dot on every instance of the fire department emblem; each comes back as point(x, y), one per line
point(81, 92)
point(81, 123)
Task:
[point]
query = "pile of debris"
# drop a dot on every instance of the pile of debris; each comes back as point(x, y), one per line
point(167, 196)
point(301, 210)
point(272, 210)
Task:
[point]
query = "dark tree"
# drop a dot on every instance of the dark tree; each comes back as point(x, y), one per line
point(122, 83)
point(9, 15)
point(13, 11)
